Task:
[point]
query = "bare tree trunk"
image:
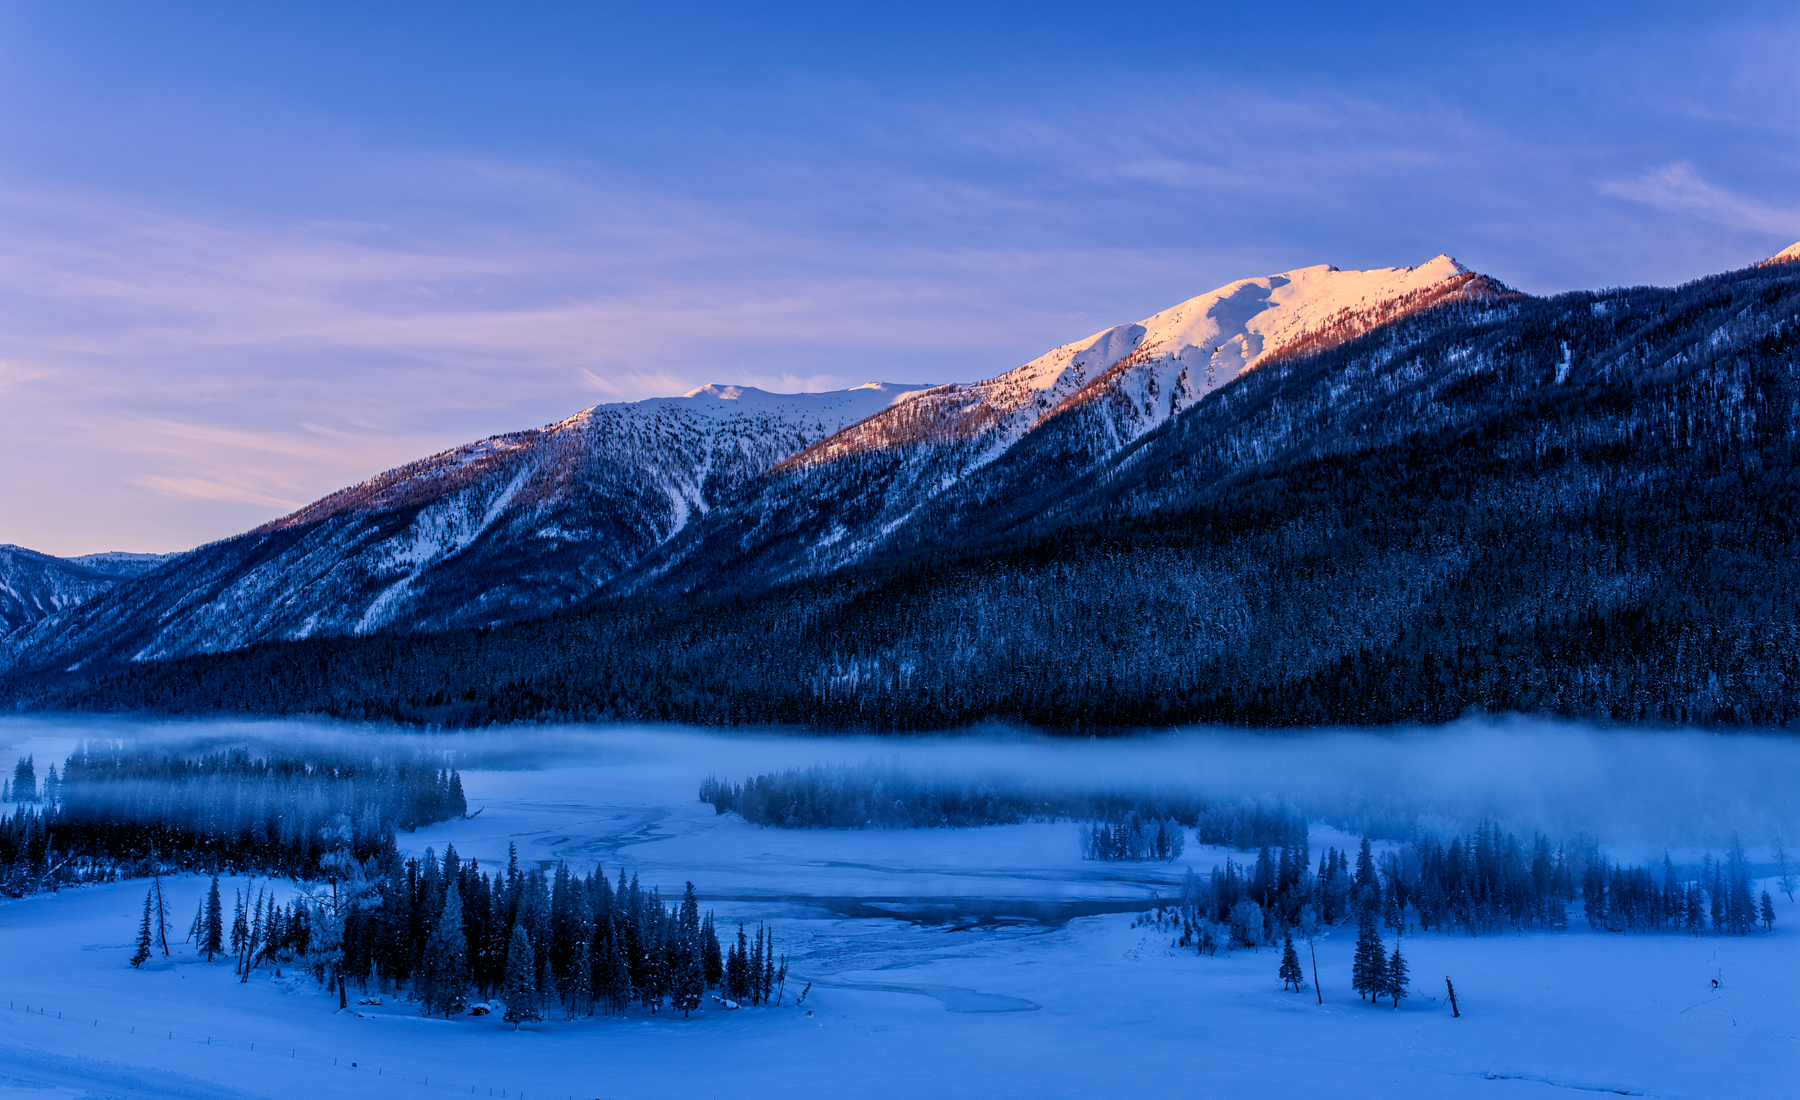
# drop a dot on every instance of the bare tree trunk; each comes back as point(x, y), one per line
point(1313, 950)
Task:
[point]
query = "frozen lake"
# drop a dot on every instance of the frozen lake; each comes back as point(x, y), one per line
point(990, 962)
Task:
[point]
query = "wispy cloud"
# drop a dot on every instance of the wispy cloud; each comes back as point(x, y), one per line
point(187, 355)
point(1679, 188)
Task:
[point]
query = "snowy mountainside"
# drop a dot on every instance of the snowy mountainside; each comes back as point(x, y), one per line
point(1023, 439)
point(34, 586)
point(507, 527)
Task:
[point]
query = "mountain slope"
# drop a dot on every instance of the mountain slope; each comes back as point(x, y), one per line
point(922, 472)
point(1581, 506)
point(35, 586)
point(509, 527)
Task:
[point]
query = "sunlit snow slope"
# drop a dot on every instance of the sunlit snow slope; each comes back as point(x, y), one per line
point(924, 465)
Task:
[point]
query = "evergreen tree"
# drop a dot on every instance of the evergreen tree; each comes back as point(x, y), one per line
point(142, 954)
point(618, 975)
point(1768, 912)
point(442, 981)
point(690, 979)
point(711, 957)
point(520, 990)
point(213, 927)
point(1369, 965)
point(24, 783)
point(1290, 965)
point(1367, 885)
point(737, 969)
point(581, 987)
point(1394, 979)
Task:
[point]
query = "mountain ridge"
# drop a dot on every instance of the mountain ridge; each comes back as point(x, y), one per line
point(1580, 506)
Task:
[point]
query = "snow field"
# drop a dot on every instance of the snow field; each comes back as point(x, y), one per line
point(1003, 1007)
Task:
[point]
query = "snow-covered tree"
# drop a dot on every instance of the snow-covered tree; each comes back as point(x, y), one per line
point(213, 924)
point(1368, 968)
point(142, 954)
point(520, 991)
point(1394, 976)
point(24, 781)
point(442, 981)
point(1291, 974)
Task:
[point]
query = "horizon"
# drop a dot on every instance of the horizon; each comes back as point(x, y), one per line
point(261, 255)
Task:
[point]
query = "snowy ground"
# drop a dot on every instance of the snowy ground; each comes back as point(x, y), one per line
point(985, 982)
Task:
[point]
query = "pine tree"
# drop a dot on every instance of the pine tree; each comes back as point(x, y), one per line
point(581, 981)
point(24, 783)
point(1290, 964)
point(213, 928)
point(1367, 885)
point(520, 990)
point(240, 928)
point(1369, 964)
point(142, 954)
point(737, 969)
point(1395, 976)
point(690, 979)
point(618, 976)
point(442, 982)
point(1768, 912)
point(710, 955)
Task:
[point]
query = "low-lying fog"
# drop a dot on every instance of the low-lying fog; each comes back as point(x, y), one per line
point(1630, 789)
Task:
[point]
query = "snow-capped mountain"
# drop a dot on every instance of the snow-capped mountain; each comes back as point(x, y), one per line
point(35, 586)
point(725, 486)
point(511, 526)
point(918, 470)
point(1151, 370)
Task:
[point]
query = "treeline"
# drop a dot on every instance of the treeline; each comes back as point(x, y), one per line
point(454, 937)
point(1581, 506)
point(1649, 899)
point(875, 796)
point(123, 811)
point(1133, 839)
point(1484, 882)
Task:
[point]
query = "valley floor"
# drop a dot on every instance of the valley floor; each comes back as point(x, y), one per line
point(943, 963)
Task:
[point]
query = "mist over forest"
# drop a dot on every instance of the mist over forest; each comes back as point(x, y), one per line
point(1624, 787)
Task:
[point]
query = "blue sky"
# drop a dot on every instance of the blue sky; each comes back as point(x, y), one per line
point(258, 252)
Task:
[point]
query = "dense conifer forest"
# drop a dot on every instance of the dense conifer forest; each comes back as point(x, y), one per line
point(1580, 506)
point(444, 932)
point(120, 812)
point(882, 797)
point(1487, 881)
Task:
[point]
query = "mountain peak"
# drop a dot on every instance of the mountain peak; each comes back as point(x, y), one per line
point(1150, 370)
point(1787, 255)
